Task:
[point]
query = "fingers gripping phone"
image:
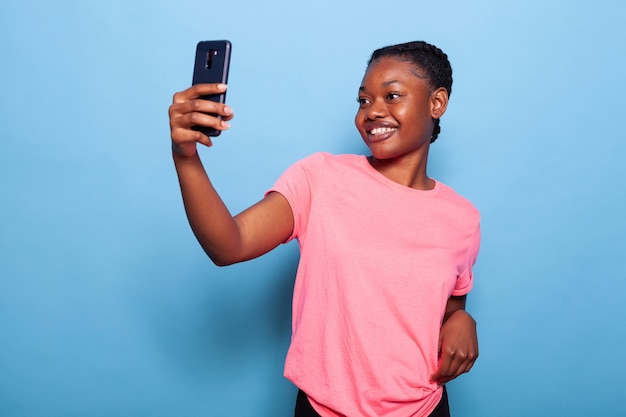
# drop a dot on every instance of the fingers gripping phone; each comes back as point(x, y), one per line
point(211, 66)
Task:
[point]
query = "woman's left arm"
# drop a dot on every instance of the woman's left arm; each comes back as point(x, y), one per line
point(458, 342)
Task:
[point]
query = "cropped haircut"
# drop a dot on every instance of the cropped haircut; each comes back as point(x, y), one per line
point(429, 59)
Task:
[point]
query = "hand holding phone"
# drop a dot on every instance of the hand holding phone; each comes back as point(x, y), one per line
point(211, 67)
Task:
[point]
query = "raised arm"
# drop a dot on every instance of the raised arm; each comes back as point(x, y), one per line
point(458, 342)
point(225, 239)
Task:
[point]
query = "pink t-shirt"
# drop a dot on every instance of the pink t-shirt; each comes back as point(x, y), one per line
point(378, 263)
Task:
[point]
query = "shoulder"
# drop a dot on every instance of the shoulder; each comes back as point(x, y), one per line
point(460, 202)
point(327, 160)
point(310, 169)
point(333, 158)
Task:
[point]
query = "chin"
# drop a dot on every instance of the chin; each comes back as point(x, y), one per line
point(379, 151)
point(381, 155)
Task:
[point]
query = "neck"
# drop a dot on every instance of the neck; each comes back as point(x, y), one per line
point(404, 171)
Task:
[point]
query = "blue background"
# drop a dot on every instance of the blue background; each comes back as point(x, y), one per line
point(108, 306)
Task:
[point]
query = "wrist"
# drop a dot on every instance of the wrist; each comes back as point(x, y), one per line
point(184, 152)
point(458, 312)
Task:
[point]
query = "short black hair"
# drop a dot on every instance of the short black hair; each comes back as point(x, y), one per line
point(427, 58)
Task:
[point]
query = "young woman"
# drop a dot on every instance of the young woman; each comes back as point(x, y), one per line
point(386, 251)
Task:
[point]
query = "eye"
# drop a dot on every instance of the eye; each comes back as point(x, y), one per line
point(362, 101)
point(393, 96)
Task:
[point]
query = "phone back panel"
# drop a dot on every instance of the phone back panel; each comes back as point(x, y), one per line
point(212, 62)
point(211, 66)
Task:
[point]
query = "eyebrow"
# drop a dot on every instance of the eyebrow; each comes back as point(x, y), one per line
point(388, 83)
point(385, 84)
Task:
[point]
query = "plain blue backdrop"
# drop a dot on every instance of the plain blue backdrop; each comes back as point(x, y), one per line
point(108, 306)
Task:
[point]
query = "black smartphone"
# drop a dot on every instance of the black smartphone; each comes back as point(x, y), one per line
point(211, 66)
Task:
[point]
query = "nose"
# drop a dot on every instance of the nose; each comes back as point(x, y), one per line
point(376, 110)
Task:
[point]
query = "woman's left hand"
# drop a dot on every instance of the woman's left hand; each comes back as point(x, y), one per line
point(458, 347)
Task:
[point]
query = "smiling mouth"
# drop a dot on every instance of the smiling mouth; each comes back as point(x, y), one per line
point(381, 133)
point(382, 130)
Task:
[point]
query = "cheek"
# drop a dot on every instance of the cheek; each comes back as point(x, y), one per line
point(414, 117)
point(358, 120)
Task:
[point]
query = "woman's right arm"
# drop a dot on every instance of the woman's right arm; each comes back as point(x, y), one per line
point(225, 239)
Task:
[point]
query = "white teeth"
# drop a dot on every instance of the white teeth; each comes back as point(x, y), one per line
point(381, 130)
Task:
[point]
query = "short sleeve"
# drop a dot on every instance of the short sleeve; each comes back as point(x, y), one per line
point(465, 280)
point(297, 185)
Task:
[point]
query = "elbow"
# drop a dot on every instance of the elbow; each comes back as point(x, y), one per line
point(222, 259)
point(224, 256)
point(221, 262)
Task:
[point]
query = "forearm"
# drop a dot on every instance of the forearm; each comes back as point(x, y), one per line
point(213, 225)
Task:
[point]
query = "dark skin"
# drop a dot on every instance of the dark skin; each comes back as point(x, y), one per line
point(458, 343)
point(229, 239)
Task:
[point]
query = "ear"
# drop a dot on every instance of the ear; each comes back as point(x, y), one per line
point(439, 102)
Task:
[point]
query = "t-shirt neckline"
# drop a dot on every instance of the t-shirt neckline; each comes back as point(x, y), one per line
point(363, 159)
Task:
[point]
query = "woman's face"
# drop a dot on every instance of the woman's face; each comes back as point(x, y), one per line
point(397, 108)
